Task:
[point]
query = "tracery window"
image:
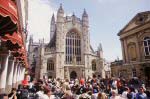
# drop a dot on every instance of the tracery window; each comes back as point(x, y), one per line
point(147, 47)
point(73, 48)
point(50, 65)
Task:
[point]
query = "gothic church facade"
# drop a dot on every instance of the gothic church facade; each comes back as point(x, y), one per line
point(69, 53)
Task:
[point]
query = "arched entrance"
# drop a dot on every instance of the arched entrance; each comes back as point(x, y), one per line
point(73, 75)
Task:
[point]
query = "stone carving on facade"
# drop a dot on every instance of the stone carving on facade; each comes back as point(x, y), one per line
point(141, 19)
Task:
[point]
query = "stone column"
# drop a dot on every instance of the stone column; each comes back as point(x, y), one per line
point(15, 74)
point(22, 73)
point(18, 74)
point(3, 72)
point(126, 51)
point(123, 51)
point(138, 49)
point(10, 75)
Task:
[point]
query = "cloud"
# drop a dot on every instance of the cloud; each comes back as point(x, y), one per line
point(40, 12)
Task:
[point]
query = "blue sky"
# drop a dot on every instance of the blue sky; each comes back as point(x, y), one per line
point(106, 17)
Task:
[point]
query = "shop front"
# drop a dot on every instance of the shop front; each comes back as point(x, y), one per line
point(13, 59)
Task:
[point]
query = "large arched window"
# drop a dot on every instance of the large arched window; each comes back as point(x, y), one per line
point(147, 47)
point(73, 48)
point(50, 65)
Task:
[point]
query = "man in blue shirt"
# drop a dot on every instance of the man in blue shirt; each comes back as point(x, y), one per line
point(141, 94)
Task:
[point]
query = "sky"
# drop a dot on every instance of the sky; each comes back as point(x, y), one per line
point(106, 18)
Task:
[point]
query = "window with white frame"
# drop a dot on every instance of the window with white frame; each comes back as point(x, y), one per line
point(73, 48)
point(147, 47)
point(50, 65)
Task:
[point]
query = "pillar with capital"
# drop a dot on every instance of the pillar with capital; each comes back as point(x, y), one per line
point(22, 73)
point(18, 74)
point(10, 74)
point(15, 74)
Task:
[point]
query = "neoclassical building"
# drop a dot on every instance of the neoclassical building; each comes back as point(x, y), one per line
point(69, 53)
point(135, 41)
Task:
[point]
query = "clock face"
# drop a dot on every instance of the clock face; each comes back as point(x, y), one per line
point(141, 19)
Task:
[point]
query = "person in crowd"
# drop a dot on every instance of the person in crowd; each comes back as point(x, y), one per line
point(3, 96)
point(131, 93)
point(47, 94)
point(101, 95)
point(94, 79)
point(114, 95)
point(114, 83)
point(95, 88)
point(40, 92)
point(125, 92)
point(67, 94)
point(13, 95)
point(65, 84)
point(141, 94)
point(24, 92)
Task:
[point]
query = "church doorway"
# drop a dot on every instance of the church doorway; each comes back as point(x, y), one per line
point(73, 75)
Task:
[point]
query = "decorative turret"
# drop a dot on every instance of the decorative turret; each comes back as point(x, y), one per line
point(31, 40)
point(100, 51)
point(100, 47)
point(85, 20)
point(30, 44)
point(85, 31)
point(60, 14)
point(73, 19)
point(59, 28)
point(53, 27)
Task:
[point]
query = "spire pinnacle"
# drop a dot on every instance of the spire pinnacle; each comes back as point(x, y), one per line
point(85, 13)
point(60, 8)
point(73, 14)
point(100, 47)
point(53, 17)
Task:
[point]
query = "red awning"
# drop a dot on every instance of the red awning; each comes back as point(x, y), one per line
point(15, 38)
point(8, 17)
point(23, 56)
point(8, 8)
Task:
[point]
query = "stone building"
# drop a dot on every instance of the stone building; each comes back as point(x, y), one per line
point(69, 53)
point(135, 41)
point(117, 69)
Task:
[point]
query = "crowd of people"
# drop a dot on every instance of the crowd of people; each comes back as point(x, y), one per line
point(91, 88)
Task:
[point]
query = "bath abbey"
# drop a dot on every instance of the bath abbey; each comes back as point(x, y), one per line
point(68, 53)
